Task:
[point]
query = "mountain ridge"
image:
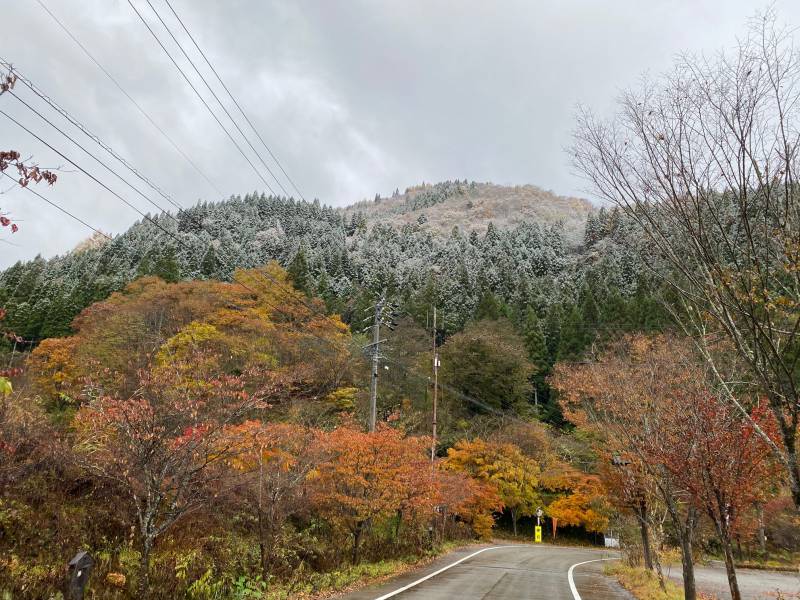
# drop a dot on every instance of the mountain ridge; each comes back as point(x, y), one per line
point(471, 206)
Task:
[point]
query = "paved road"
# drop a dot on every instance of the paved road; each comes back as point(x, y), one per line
point(505, 573)
point(754, 584)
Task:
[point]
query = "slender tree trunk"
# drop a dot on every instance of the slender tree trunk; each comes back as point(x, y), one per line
point(685, 531)
point(645, 532)
point(733, 584)
point(514, 520)
point(262, 549)
point(761, 533)
point(144, 569)
point(397, 527)
point(721, 525)
point(687, 559)
point(357, 541)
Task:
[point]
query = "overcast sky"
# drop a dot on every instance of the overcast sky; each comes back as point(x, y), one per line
point(353, 97)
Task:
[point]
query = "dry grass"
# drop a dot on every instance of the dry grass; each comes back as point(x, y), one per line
point(643, 584)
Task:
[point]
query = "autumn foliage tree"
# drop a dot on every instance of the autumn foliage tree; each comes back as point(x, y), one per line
point(160, 445)
point(631, 420)
point(665, 424)
point(161, 373)
point(365, 477)
point(275, 460)
point(257, 321)
point(724, 464)
point(503, 466)
point(705, 161)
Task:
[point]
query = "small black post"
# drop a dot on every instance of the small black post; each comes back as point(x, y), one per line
point(80, 567)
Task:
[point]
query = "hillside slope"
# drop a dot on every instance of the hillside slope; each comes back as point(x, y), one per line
point(424, 247)
point(472, 206)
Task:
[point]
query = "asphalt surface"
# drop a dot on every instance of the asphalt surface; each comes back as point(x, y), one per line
point(753, 584)
point(504, 572)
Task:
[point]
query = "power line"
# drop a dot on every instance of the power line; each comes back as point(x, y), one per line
point(71, 139)
point(197, 93)
point(127, 203)
point(225, 87)
point(139, 192)
point(85, 130)
point(275, 281)
point(130, 98)
point(60, 208)
point(214, 94)
point(85, 172)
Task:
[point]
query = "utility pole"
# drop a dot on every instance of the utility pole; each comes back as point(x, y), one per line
point(376, 355)
point(435, 385)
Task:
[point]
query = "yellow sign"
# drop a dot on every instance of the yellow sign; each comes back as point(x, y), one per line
point(538, 534)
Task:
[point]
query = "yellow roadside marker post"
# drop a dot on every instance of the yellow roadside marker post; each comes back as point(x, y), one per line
point(537, 532)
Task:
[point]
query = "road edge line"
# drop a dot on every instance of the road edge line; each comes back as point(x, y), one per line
point(435, 573)
point(572, 588)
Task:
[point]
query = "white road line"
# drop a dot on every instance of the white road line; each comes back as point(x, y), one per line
point(442, 570)
point(572, 587)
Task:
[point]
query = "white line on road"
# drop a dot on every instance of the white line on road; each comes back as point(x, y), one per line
point(442, 570)
point(572, 587)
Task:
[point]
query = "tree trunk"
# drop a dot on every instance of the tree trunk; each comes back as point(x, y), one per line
point(357, 541)
point(685, 531)
point(761, 533)
point(262, 549)
point(646, 550)
point(689, 588)
point(514, 520)
point(723, 533)
point(731, 569)
point(144, 569)
point(397, 527)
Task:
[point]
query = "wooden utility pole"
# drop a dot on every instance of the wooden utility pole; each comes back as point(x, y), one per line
point(435, 386)
point(373, 383)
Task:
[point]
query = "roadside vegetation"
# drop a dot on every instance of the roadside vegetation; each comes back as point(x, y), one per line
point(199, 428)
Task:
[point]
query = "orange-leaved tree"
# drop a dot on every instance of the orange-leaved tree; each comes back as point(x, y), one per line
point(164, 444)
point(667, 427)
point(275, 460)
point(367, 476)
point(580, 499)
point(471, 500)
point(256, 323)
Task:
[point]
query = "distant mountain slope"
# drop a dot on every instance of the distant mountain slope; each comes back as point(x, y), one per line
point(472, 206)
point(425, 247)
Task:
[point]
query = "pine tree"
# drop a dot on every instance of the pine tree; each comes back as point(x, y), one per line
point(616, 312)
point(573, 336)
point(552, 331)
point(209, 268)
point(590, 315)
point(166, 267)
point(535, 341)
point(489, 308)
point(299, 272)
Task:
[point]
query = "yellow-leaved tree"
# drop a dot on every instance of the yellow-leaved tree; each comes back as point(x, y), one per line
point(504, 466)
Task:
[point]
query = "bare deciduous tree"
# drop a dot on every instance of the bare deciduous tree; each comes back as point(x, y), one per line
point(705, 160)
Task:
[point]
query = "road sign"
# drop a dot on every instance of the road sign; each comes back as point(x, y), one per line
point(538, 534)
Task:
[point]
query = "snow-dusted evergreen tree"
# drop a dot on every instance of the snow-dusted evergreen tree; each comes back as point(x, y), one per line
point(342, 259)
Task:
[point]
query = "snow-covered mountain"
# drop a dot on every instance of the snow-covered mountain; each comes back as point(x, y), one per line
point(472, 206)
point(450, 244)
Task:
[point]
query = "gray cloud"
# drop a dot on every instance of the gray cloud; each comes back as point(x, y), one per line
point(355, 97)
